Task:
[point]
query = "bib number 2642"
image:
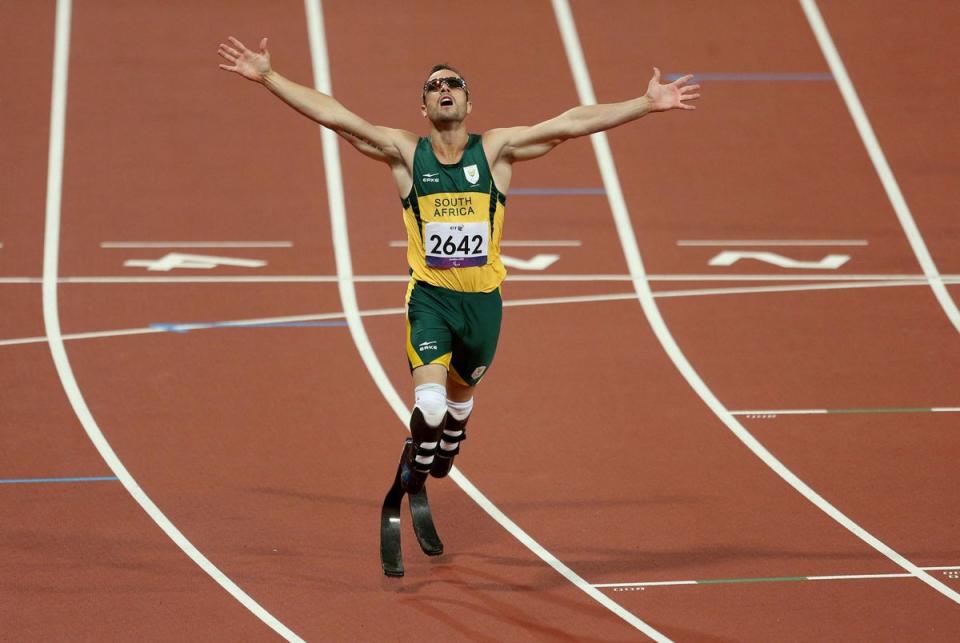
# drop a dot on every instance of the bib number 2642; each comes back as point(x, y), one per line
point(456, 245)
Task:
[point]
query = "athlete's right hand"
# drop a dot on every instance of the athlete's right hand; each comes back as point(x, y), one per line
point(249, 64)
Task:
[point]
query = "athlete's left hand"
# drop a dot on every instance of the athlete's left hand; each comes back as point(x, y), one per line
point(671, 96)
point(252, 65)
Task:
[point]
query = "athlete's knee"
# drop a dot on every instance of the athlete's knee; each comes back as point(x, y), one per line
point(426, 427)
point(431, 399)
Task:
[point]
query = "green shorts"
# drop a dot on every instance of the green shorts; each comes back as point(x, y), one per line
point(456, 329)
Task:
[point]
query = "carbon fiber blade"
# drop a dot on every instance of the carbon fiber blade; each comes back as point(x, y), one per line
point(391, 556)
point(423, 526)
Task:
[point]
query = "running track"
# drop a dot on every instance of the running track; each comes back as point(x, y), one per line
point(269, 447)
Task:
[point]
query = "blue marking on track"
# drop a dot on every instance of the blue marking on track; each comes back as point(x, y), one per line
point(755, 76)
point(187, 327)
point(555, 191)
point(303, 324)
point(170, 328)
point(42, 480)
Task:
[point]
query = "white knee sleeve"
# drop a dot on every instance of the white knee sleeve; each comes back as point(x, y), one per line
point(431, 399)
point(460, 410)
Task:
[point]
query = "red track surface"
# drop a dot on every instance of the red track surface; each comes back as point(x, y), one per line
point(270, 448)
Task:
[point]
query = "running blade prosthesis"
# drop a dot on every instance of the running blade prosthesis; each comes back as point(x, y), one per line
point(391, 556)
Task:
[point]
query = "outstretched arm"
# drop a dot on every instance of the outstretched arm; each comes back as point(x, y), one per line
point(522, 143)
point(381, 143)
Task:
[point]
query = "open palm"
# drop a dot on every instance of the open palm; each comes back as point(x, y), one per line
point(672, 95)
point(249, 64)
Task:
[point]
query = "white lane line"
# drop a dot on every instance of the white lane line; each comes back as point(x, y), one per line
point(519, 243)
point(723, 581)
point(890, 185)
point(933, 409)
point(557, 243)
point(736, 277)
point(196, 244)
point(656, 583)
point(237, 323)
point(570, 299)
point(782, 412)
point(571, 43)
point(203, 279)
point(631, 252)
point(270, 279)
point(750, 290)
point(51, 320)
point(772, 242)
point(19, 341)
point(338, 219)
point(870, 576)
point(860, 576)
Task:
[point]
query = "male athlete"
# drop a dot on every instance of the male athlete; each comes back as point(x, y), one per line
point(453, 186)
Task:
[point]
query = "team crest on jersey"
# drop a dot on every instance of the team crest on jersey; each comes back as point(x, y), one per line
point(472, 174)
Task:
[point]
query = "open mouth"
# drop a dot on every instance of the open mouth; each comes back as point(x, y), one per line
point(446, 101)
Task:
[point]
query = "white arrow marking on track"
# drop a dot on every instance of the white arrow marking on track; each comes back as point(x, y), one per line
point(204, 262)
point(537, 262)
point(730, 257)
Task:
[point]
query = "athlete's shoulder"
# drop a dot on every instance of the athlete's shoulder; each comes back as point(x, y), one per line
point(398, 133)
point(496, 144)
point(405, 141)
point(500, 134)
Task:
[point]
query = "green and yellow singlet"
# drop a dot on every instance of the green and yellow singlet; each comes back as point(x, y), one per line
point(454, 221)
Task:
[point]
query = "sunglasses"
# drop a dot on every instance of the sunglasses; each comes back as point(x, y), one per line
point(452, 82)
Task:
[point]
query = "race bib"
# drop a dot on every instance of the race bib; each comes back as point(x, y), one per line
point(456, 245)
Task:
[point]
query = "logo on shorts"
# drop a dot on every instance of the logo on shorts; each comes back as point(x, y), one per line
point(472, 173)
point(477, 372)
point(427, 346)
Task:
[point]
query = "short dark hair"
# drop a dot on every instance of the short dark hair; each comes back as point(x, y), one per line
point(438, 67)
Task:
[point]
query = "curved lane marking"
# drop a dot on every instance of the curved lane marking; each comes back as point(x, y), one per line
point(338, 221)
point(631, 252)
point(51, 320)
point(879, 159)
